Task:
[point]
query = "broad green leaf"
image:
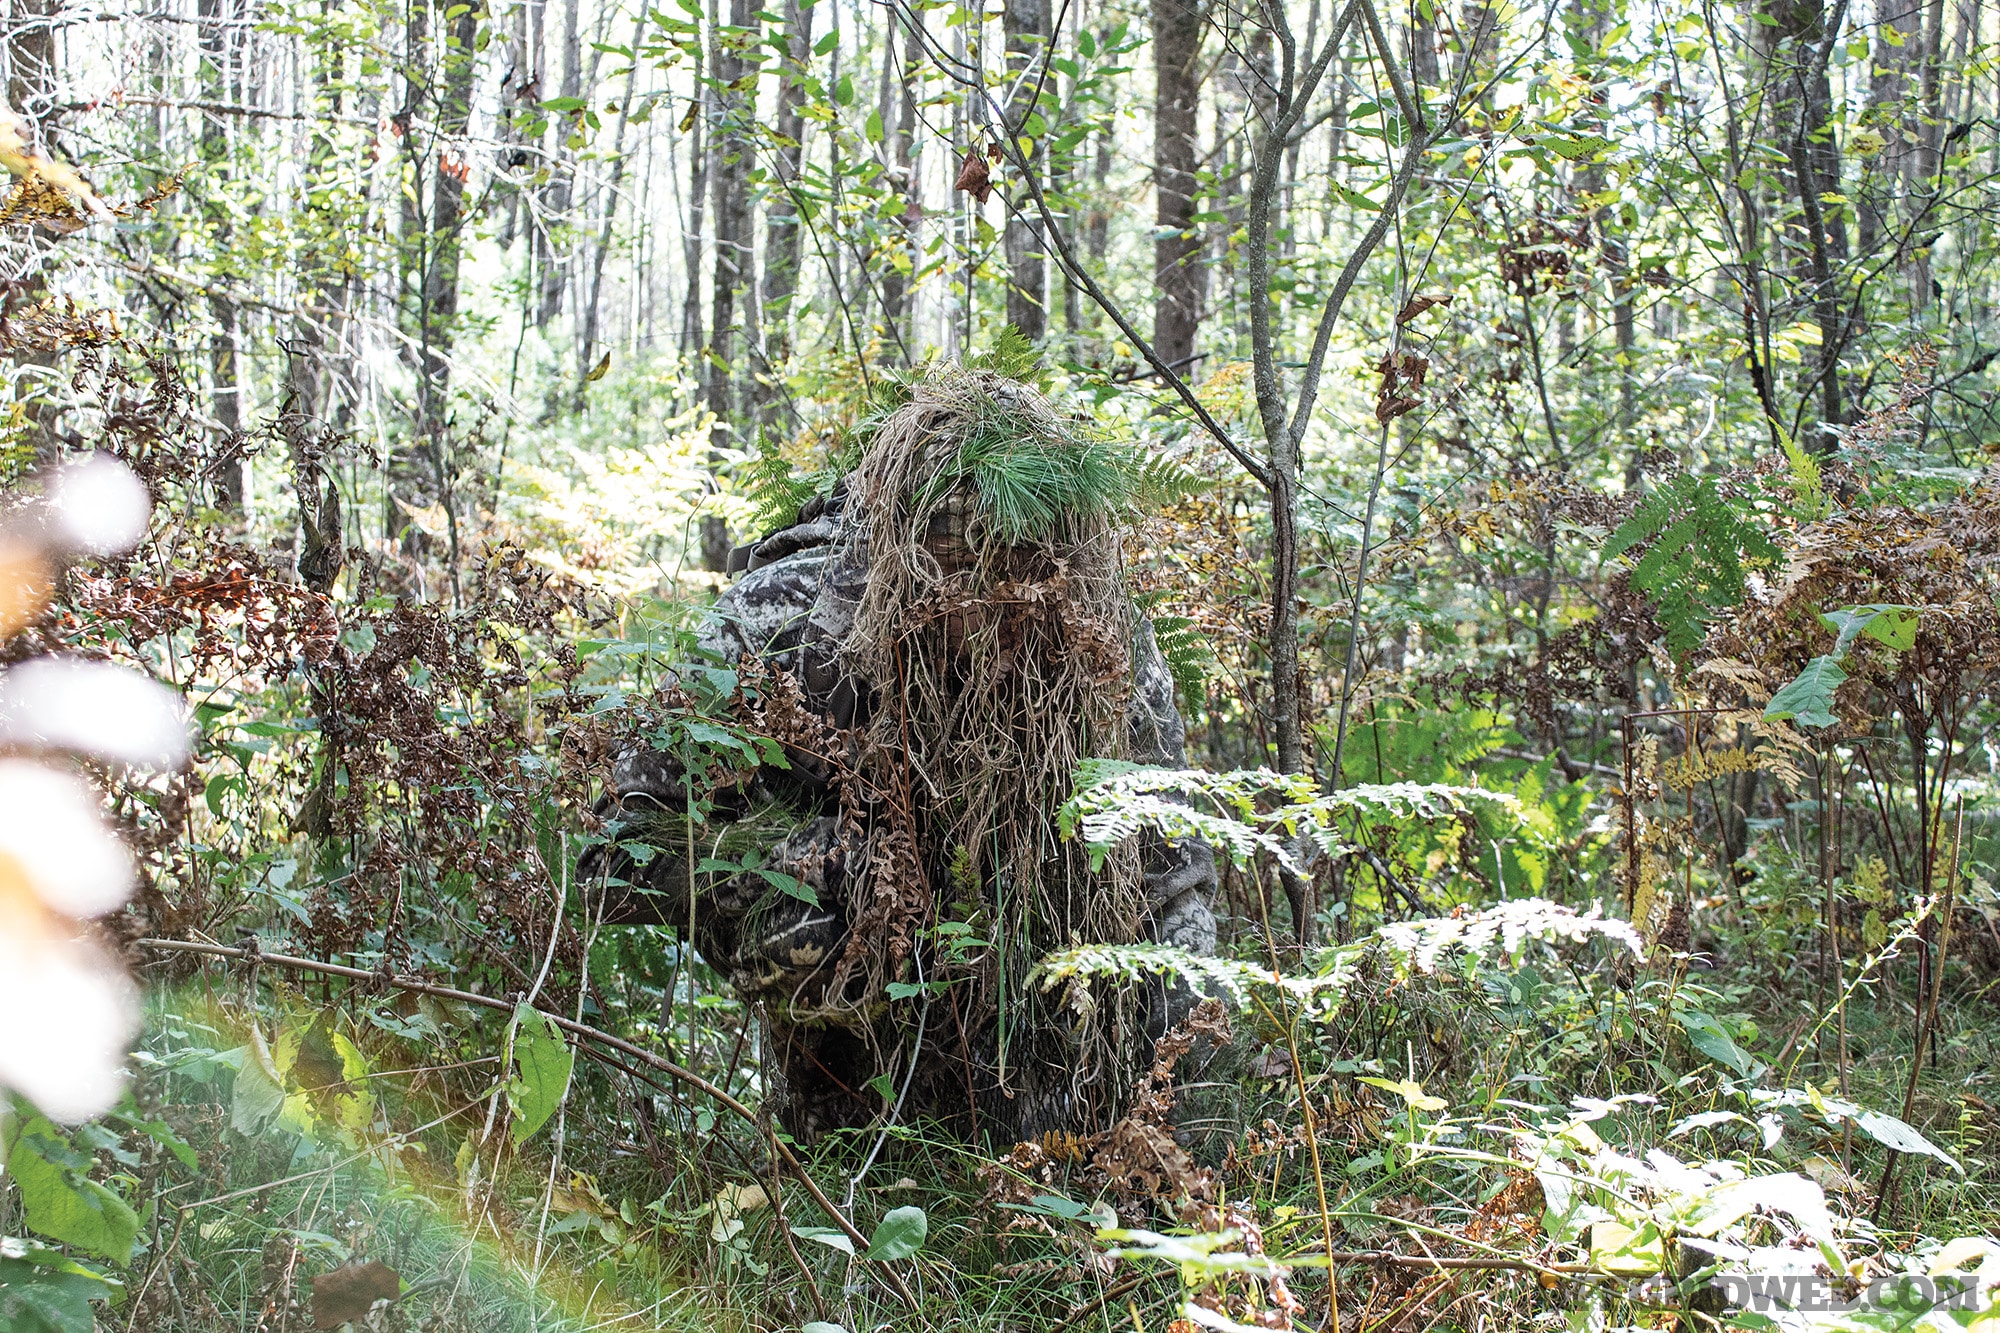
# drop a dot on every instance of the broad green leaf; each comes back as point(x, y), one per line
point(354, 1103)
point(791, 886)
point(258, 1097)
point(544, 1061)
point(1713, 1040)
point(831, 1237)
point(43, 1292)
point(61, 1202)
point(900, 1234)
point(1621, 1250)
point(1889, 623)
point(1410, 1091)
point(1809, 699)
point(1890, 1132)
point(1729, 1203)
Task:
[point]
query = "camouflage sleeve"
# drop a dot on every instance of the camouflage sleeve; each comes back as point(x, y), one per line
point(1180, 876)
point(763, 615)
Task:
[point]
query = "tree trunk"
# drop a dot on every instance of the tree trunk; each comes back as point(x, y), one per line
point(728, 171)
point(1025, 25)
point(552, 262)
point(906, 199)
point(31, 66)
point(781, 214)
point(1887, 89)
point(692, 339)
point(212, 36)
point(587, 355)
point(1177, 270)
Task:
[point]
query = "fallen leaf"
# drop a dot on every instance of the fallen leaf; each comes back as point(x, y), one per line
point(350, 1291)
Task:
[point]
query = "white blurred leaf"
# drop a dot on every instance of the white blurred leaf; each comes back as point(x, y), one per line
point(52, 831)
point(94, 708)
point(70, 1011)
point(99, 505)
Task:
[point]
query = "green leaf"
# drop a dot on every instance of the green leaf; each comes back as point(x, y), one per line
point(61, 1202)
point(826, 44)
point(1713, 1040)
point(831, 1237)
point(41, 1291)
point(843, 92)
point(1888, 623)
point(791, 886)
point(259, 1095)
point(1697, 545)
point(900, 1235)
point(1575, 147)
point(1809, 699)
point(1410, 1091)
point(872, 128)
point(1890, 1132)
point(544, 1060)
point(1618, 1249)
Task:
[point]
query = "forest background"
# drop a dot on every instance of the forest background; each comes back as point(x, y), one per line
point(1588, 409)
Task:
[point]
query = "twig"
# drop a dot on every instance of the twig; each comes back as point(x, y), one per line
point(1396, 1260)
point(1114, 1292)
point(661, 1063)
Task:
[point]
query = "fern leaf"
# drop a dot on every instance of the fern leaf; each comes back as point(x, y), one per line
point(1696, 546)
point(1012, 355)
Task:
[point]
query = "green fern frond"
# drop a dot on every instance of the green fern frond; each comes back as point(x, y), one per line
point(1697, 546)
point(1189, 654)
point(1250, 813)
point(1012, 355)
point(778, 489)
point(1161, 479)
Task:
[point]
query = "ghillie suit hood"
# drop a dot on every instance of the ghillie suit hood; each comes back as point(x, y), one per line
point(957, 614)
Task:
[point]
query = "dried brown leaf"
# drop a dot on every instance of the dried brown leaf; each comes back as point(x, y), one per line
point(974, 177)
point(1421, 302)
point(350, 1291)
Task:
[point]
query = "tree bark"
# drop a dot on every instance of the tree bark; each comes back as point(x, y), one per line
point(1025, 25)
point(587, 355)
point(1178, 275)
point(1887, 90)
point(781, 214)
point(728, 178)
point(212, 37)
point(551, 263)
point(907, 198)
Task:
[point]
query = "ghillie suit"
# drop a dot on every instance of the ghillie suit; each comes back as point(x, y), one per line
point(954, 615)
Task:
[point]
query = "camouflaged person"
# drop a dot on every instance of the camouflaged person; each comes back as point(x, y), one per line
point(795, 609)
